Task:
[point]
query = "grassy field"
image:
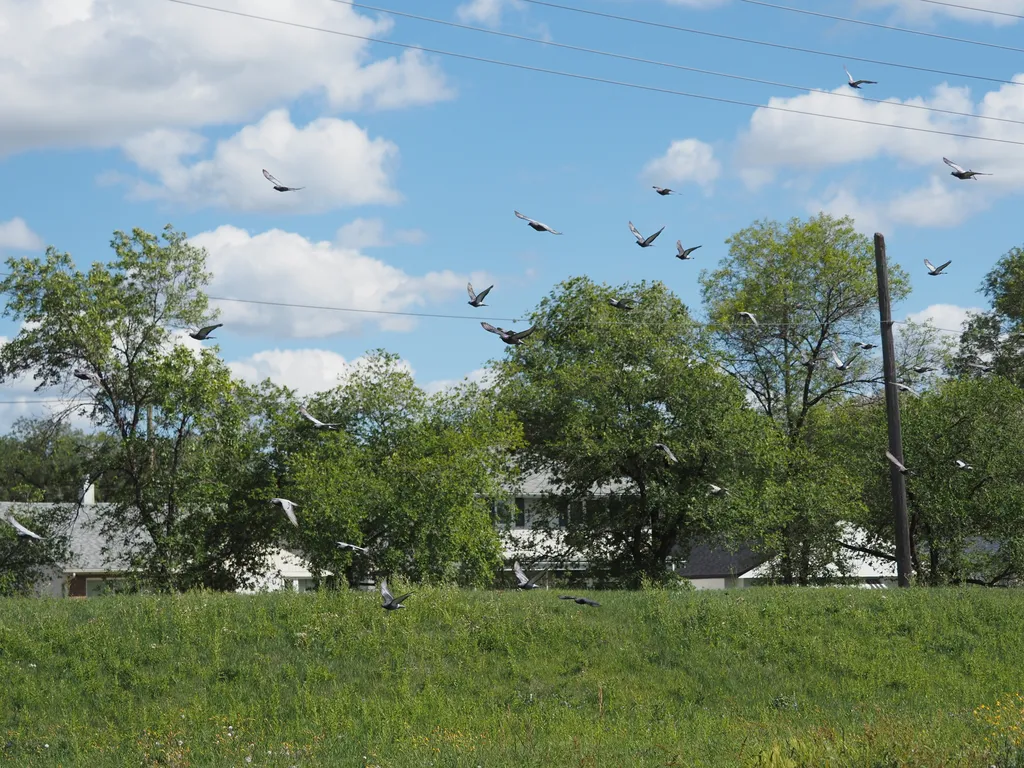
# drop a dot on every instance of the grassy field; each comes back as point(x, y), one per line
point(653, 678)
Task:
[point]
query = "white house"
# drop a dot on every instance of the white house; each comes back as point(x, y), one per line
point(705, 565)
point(89, 572)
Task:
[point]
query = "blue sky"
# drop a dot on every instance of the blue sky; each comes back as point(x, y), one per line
point(121, 115)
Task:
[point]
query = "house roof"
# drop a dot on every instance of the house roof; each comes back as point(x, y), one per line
point(85, 540)
point(706, 561)
point(542, 483)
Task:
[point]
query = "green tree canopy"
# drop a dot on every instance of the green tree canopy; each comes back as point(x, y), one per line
point(184, 462)
point(411, 477)
point(597, 388)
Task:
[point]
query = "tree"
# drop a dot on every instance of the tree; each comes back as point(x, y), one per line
point(408, 476)
point(24, 562)
point(184, 456)
point(596, 389)
point(998, 334)
point(978, 421)
point(46, 460)
point(811, 285)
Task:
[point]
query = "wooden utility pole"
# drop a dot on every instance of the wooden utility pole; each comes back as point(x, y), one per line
point(149, 437)
point(892, 417)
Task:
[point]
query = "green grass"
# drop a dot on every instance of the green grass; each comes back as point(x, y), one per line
point(651, 678)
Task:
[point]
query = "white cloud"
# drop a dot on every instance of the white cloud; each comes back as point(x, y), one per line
point(370, 233)
point(335, 160)
point(949, 318)
point(484, 377)
point(685, 160)
point(935, 204)
point(16, 236)
point(279, 266)
point(304, 370)
point(776, 140)
point(96, 72)
point(917, 12)
point(486, 12)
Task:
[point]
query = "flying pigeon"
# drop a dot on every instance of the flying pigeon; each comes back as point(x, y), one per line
point(923, 369)
point(525, 583)
point(644, 242)
point(314, 420)
point(898, 464)
point(277, 184)
point(841, 365)
point(621, 304)
point(962, 464)
point(391, 603)
point(857, 83)
point(84, 375)
point(346, 545)
point(684, 253)
point(749, 317)
point(509, 337)
point(717, 490)
point(904, 387)
point(204, 333)
point(981, 367)
point(536, 224)
point(935, 271)
point(864, 346)
point(477, 299)
point(23, 532)
point(663, 191)
point(289, 509)
point(960, 173)
point(580, 600)
point(668, 453)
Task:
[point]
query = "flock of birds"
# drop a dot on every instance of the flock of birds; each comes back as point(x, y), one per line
point(476, 300)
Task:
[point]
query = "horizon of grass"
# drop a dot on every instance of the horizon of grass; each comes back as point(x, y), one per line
point(484, 678)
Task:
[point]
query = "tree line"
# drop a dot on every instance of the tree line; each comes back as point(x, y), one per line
point(185, 456)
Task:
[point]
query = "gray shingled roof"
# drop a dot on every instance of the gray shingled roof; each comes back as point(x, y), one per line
point(709, 562)
point(540, 483)
point(86, 542)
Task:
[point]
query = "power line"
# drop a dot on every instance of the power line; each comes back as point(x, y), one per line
point(781, 46)
point(355, 309)
point(876, 25)
point(670, 65)
point(606, 81)
point(972, 8)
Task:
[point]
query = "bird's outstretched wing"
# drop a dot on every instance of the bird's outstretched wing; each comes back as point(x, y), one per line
point(667, 451)
point(566, 597)
point(400, 600)
point(270, 177)
point(896, 462)
point(469, 290)
point(847, 73)
point(207, 330)
point(635, 232)
point(520, 575)
point(943, 266)
point(488, 327)
point(524, 334)
point(654, 237)
point(483, 294)
point(385, 593)
point(836, 357)
point(524, 218)
point(953, 165)
point(22, 530)
point(931, 267)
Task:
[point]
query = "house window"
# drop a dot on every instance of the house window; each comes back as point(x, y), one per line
point(305, 585)
point(506, 512)
point(100, 587)
point(520, 512)
point(569, 513)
